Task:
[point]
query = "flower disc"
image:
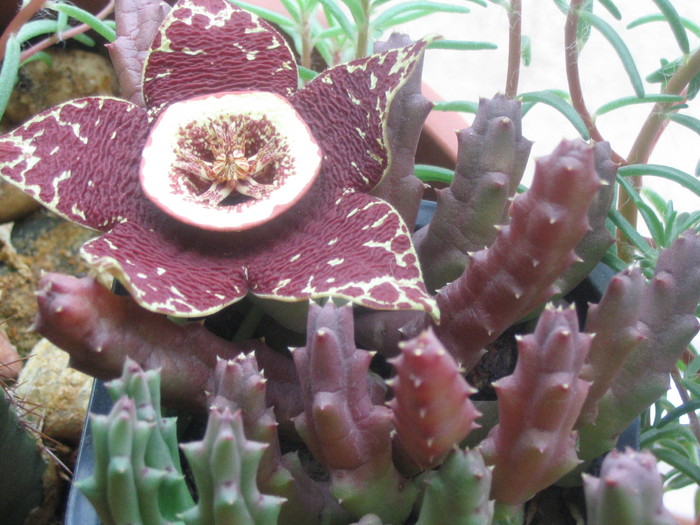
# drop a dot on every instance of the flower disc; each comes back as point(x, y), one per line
point(229, 161)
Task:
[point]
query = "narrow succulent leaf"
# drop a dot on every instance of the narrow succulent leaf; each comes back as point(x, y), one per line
point(492, 155)
point(337, 13)
point(620, 48)
point(674, 20)
point(611, 8)
point(533, 444)
point(428, 173)
point(628, 101)
point(653, 223)
point(137, 24)
point(283, 22)
point(630, 232)
point(407, 113)
point(629, 490)
point(688, 121)
point(8, 72)
point(431, 409)
point(465, 106)
point(515, 275)
point(384, 19)
point(344, 430)
point(462, 45)
point(36, 28)
point(561, 105)
point(690, 25)
point(667, 314)
point(681, 410)
point(103, 29)
point(666, 172)
point(680, 462)
point(458, 493)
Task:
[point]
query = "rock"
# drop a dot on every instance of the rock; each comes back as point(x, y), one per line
point(14, 203)
point(54, 396)
point(73, 73)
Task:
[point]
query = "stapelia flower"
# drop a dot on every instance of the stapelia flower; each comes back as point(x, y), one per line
point(230, 180)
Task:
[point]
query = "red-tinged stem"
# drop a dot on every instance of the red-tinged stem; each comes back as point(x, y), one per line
point(573, 77)
point(653, 127)
point(514, 48)
point(53, 39)
point(21, 18)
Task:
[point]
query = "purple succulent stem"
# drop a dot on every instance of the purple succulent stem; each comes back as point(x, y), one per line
point(615, 324)
point(533, 444)
point(342, 427)
point(99, 330)
point(407, 113)
point(517, 273)
point(667, 320)
point(629, 490)
point(598, 239)
point(491, 160)
point(431, 407)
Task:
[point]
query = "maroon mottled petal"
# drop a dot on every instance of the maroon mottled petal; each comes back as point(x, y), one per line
point(208, 46)
point(356, 247)
point(167, 274)
point(346, 107)
point(81, 160)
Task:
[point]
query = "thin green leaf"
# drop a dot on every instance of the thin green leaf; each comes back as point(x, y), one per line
point(561, 105)
point(306, 73)
point(658, 17)
point(285, 23)
point(614, 261)
point(629, 231)
point(620, 48)
point(36, 28)
point(526, 50)
point(678, 412)
point(666, 172)
point(461, 45)
point(685, 120)
point(680, 462)
point(293, 10)
point(428, 173)
point(339, 17)
point(656, 200)
point(653, 435)
point(611, 8)
point(562, 5)
point(9, 71)
point(419, 5)
point(650, 219)
point(465, 106)
point(41, 55)
point(104, 30)
point(357, 11)
point(691, 386)
point(628, 101)
point(665, 72)
point(671, 15)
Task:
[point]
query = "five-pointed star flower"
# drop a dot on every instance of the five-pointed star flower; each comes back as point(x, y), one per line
point(230, 181)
